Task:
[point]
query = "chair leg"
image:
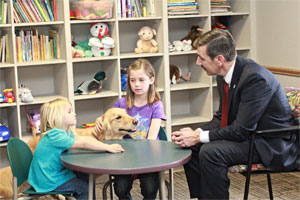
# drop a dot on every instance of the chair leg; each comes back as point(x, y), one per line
point(171, 188)
point(15, 188)
point(247, 185)
point(104, 190)
point(270, 186)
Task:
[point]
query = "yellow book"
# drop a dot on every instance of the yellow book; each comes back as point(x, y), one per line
point(41, 10)
point(19, 49)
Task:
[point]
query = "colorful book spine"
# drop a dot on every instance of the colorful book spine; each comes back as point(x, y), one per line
point(37, 4)
point(129, 14)
point(124, 8)
point(49, 10)
point(34, 7)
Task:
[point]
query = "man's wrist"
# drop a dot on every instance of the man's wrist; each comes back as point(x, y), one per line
point(204, 135)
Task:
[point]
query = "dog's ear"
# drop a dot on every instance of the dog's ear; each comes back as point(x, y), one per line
point(105, 125)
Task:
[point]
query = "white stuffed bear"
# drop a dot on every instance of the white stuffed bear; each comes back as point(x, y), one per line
point(187, 45)
point(101, 43)
point(178, 45)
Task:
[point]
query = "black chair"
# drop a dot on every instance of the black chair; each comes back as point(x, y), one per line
point(162, 136)
point(20, 157)
point(247, 173)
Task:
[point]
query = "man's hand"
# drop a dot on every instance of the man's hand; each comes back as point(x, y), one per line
point(98, 125)
point(186, 137)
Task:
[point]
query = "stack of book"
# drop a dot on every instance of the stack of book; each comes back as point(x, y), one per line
point(136, 8)
point(182, 7)
point(34, 47)
point(34, 11)
point(3, 12)
point(220, 6)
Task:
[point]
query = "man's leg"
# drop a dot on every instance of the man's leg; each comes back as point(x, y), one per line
point(209, 169)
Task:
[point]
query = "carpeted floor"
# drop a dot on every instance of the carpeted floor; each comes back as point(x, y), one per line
point(285, 186)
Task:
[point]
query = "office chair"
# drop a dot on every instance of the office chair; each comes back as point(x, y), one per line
point(162, 136)
point(20, 157)
point(293, 96)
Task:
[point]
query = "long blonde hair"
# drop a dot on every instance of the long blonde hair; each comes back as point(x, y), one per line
point(52, 116)
point(146, 66)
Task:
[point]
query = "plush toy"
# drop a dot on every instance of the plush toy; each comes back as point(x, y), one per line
point(9, 96)
point(171, 47)
point(146, 43)
point(81, 49)
point(101, 43)
point(195, 32)
point(222, 22)
point(187, 45)
point(177, 45)
point(176, 74)
point(92, 86)
point(124, 72)
point(34, 121)
point(25, 94)
point(4, 133)
point(2, 98)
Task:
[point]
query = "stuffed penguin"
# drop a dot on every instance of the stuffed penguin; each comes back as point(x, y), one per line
point(92, 86)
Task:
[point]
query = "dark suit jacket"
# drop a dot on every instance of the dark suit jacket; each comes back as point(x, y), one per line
point(257, 102)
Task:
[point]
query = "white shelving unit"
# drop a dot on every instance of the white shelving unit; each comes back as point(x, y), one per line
point(186, 104)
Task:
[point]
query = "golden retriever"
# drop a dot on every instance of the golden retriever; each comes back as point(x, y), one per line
point(116, 123)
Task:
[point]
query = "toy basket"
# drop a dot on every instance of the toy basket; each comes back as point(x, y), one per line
point(101, 9)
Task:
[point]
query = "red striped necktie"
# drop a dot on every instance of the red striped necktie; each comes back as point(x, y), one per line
point(224, 119)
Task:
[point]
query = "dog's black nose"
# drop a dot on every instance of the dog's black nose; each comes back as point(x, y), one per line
point(135, 122)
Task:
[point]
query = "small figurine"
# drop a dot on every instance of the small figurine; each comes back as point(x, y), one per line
point(9, 96)
point(176, 74)
point(92, 86)
point(2, 98)
point(4, 133)
point(25, 94)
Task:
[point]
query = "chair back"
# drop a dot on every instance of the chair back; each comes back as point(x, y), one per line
point(162, 134)
point(20, 157)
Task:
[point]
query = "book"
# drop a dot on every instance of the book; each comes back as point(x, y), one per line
point(44, 9)
point(38, 6)
point(123, 5)
point(35, 10)
point(53, 34)
point(19, 10)
point(128, 9)
point(29, 11)
point(119, 11)
point(20, 4)
point(4, 19)
point(47, 6)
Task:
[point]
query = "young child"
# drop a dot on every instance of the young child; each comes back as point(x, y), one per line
point(143, 103)
point(47, 172)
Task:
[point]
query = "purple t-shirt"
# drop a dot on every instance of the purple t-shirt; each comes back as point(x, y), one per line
point(144, 115)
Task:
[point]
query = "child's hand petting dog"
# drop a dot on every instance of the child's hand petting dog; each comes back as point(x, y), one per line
point(98, 125)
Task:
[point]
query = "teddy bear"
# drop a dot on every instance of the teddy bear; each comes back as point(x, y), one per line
point(101, 43)
point(146, 43)
point(185, 45)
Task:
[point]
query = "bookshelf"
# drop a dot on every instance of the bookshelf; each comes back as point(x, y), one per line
point(186, 104)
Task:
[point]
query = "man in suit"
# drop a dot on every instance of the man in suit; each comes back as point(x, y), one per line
point(254, 100)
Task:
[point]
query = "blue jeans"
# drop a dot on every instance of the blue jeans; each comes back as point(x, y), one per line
point(79, 186)
point(149, 185)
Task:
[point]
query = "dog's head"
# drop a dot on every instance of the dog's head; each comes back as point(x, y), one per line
point(117, 123)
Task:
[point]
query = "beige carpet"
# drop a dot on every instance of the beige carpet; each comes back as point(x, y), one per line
point(285, 186)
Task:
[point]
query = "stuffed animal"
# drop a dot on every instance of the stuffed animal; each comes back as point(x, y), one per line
point(92, 86)
point(185, 45)
point(124, 79)
point(25, 94)
point(101, 43)
point(146, 43)
point(9, 96)
point(81, 49)
point(176, 74)
point(2, 98)
point(4, 133)
point(195, 32)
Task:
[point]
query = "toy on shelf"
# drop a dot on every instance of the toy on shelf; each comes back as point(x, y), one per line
point(101, 43)
point(9, 95)
point(92, 86)
point(124, 72)
point(2, 98)
point(176, 74)
point(34, 122)
point(146, 43)
point(222, 22)
point(92, 9)
point(185, 45)
point(4, 133)
point(81, 49)
point(195, 32)
point(25, 94)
